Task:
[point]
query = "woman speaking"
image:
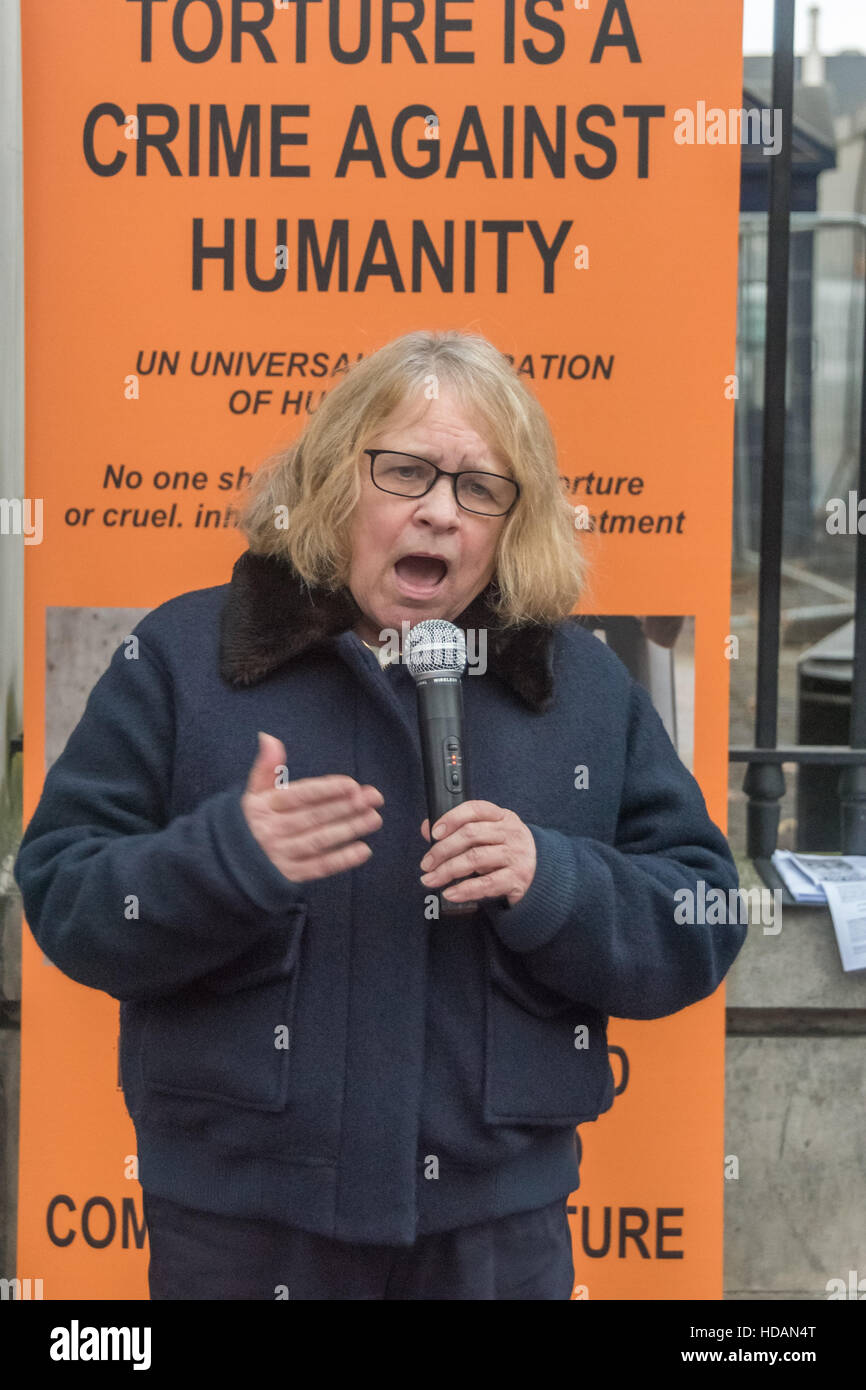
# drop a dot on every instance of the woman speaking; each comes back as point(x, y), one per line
point(340, 1091)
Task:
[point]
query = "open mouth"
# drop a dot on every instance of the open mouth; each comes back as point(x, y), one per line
point(420, 575)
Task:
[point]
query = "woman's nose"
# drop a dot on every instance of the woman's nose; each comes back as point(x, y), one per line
point(440, 500)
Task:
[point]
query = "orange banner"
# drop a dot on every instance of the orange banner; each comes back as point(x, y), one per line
point(224, 204)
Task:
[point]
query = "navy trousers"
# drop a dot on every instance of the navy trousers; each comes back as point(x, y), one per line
point(200, 1255)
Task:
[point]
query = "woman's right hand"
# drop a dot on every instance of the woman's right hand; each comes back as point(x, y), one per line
point(310, 828)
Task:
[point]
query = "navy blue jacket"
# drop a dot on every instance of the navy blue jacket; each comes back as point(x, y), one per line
point(326, 1054)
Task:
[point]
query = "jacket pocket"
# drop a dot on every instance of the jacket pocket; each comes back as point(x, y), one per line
point(546, 1058)
point(228, 1038)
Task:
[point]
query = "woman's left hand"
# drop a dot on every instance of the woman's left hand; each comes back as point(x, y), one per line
point(485, 839)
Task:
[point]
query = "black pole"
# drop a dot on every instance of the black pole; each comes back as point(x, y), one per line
point(764, 782)
point(852, 782)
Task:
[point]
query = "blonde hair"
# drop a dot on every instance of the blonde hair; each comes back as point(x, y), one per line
point(540, 569)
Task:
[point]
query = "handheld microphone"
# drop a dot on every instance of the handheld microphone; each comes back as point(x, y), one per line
point(435, 653)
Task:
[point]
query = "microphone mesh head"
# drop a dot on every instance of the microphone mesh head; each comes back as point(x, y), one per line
point(435, 648)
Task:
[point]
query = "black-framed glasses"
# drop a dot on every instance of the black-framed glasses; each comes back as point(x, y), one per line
point(489, 494)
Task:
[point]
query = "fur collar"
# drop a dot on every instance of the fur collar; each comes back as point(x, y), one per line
point(271, 616)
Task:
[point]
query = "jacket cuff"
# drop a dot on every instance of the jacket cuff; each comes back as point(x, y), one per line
point(548, 902)
point(257, 879)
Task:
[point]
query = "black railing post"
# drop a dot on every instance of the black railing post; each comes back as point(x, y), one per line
point(852, 781)
point(764, 781)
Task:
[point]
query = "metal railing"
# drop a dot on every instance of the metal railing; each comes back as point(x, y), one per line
point(764, 782)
